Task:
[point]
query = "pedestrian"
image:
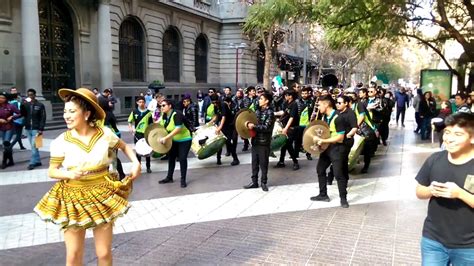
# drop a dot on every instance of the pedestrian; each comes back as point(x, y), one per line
point(460, 100)
point(148, 97)
point(342, 127)
point(387, 107)
point(402, 102)
point(261, 141)
point(86, 196)
point(172, 121)
point(138, 121)
point(427, 112)
point(18, 123)
point(35, 120)
point(8, 113)
point(207, 110)
point(416, 104)
point(447, 180)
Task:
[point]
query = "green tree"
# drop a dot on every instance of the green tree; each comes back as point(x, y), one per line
point(266, 22)
point(359, 23)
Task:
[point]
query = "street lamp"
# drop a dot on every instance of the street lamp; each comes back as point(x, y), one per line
point(237, 48)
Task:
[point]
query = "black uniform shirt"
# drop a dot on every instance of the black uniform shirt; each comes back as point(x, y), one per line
point(291, 110)
point(345, 122)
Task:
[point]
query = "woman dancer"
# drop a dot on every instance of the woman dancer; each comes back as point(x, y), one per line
point(87, 195)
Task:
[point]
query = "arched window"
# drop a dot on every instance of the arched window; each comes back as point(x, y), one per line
point(260, 62)
point(200, 59)
point(171, 69)
point(131, 50)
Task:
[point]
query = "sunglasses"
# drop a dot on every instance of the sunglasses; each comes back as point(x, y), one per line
point(371, 91)
point(163, 105)
point(340, 103)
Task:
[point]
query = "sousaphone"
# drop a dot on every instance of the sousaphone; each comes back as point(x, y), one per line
point(242, 118)
point(153, 134)
point(316, 128)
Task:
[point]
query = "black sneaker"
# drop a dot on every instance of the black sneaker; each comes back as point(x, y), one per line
point(31, 167)
point(148, 170)
point(37, 164)
point(264, 187)
point(309, 157)
point(272, 154)
point(245, 148)
point(279, 165)
point(344, 203)
point(320, 198)
point(219, 162)
point(183, 184)
point(235, 162)
point(166, 180)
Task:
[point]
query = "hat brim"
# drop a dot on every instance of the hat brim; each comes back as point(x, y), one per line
point(63, 93)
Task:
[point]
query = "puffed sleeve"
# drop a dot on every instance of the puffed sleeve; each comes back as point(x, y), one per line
point(57, 150)
point(111, 138)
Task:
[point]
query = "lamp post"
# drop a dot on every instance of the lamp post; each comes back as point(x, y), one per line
point(237, 48)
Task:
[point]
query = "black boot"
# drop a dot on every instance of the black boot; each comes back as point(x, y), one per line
point(264, 187)
point(344, 203)
point(10, 158)
point(183, 182)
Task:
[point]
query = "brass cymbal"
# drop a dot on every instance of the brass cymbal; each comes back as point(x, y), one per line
point(153, 134)
point(318, 130)
point(241, 119)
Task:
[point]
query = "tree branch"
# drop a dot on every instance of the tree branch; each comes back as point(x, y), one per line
point(444, 22)
point(438, 51)
point(470, 8)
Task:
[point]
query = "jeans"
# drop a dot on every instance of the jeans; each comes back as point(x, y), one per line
point(434, 253)
point(6, 135)
point(425, 127)
point(401, 111)
point(18, 130)
point(35, 156)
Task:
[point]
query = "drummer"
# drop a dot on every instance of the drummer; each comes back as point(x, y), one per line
point(341, 126)
point(261, 141)
point(305, 116)
point(138, 121)
point(172, 121)
point(224, 119)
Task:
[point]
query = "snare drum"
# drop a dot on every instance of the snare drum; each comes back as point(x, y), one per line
point(142, 148)
point(278, 138)
point(206, 143)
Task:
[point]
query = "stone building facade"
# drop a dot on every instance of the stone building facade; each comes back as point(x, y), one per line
point(124, 44)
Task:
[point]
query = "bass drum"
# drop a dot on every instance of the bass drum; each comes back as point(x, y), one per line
point(356, 150)
point(206, 143)
point(278, 138)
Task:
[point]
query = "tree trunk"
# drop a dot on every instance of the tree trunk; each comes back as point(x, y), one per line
point(268, 59)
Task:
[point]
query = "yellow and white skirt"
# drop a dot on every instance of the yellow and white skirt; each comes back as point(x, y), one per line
point(96, 199)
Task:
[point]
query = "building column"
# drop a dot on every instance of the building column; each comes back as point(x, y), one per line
point(31, 46)
point(105, 45)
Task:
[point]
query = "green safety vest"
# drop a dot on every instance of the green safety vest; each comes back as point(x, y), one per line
point(332, 124)
point(183, 134)
point(304, 118)
point(210, 112)
point(252, 107)
point(140, 126)
point(367, 120)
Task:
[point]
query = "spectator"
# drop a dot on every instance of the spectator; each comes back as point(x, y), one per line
point(18, 123)
point(402, 101)
point(427, 111)
point(35, 119)
point(460, 101)
point(446, 180)
point(8, 113)
point(148, 97)
point(416, 105)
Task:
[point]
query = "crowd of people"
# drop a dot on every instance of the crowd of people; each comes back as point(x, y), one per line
point(90, 194)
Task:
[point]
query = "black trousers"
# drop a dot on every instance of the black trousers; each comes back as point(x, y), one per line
point(384, 130)
point(418, 121)
point(299, 139)
point(338, 156)
point(370, 146)
point(139, 136)
point(260, 155)
point(18, 130)
point(230, 143)
point(178, 150)
point(289, 145)
point(401, 111)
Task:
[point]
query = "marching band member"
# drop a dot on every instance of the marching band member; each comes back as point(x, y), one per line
point(305, 117)
point(138, 121)
point(250, 102)
point(261, 141)
point(341, 126)
point(290, 118)
point(172, 121)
